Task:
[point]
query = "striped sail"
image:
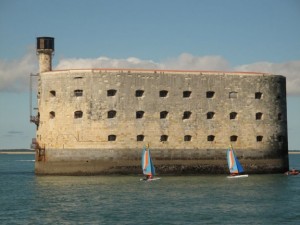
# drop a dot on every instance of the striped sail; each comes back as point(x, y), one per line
point(147, 165)
point(233, 163)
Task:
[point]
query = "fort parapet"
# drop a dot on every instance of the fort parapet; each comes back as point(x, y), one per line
point(96, 121)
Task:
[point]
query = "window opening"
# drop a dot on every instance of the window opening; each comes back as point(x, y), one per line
point(279, 116)
point(258, 95)
point(233, 138)
point(111, 92)
point(164, 138)
point(78, 93)
point(139, 114)
point(233, 115)
point(52, 93)
point(280, 138)
point(163, 93)
point(186, 115)
point(259, 138)
point(233, 94)
point(258, 116)
point(78, 114)
point(210, 94)
point(112, 137)
point(187, 138)
point(52, 115)
point(187, 94)
point(140, 137)
point(163, 114)
point(139, 93)
point(210, 138)
point(210, 115)
point(111, 114)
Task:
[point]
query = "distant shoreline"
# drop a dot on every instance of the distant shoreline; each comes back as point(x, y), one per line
point(294, 152)
point(17, 151)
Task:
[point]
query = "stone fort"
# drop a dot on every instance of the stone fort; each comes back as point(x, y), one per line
point(96, 121)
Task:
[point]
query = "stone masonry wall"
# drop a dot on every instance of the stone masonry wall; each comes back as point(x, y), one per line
point(176, 112)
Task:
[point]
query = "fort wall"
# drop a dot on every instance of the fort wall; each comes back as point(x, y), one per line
point(97, 121)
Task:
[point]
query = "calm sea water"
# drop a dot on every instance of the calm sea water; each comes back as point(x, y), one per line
point(259, 199)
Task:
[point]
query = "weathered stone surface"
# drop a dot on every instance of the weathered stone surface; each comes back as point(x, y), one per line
point(197, 124)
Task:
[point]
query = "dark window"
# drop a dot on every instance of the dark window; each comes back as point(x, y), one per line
point(259, 138)
point(164, 138)
point(258, 95)
point(163, 93)
point(210, 138)
point(233, 94)
point(78, 93)
point(78, 114)
point(77, 77)
point(233, 115)
point(187, 138)
point(280, 138)
point(233, 138)
point(111, 114)
point(187, 94)
point(163, 114)
point(52, 93)
point(112, 137)
point(111, 92)
point(210, 94)
point(139, 114)
point(140, 137)
point(139, 93)
point(210, 115)
point(279, 116)
point(259, 116)
point(52, 115)
point(186, 115)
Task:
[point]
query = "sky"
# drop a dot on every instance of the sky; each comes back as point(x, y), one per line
point(227, 35)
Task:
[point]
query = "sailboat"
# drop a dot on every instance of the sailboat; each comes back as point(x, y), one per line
point(147, 165)
point(235, 167)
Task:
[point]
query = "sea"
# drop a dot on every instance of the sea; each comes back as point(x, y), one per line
point(205, 199)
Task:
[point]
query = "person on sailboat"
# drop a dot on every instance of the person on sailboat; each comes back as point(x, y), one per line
point(148, 177)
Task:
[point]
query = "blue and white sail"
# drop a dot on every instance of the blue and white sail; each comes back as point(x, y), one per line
point(233, 163)
point(147, 165)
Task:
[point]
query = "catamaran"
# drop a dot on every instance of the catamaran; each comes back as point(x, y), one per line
point(235, 167)
point(147, 165)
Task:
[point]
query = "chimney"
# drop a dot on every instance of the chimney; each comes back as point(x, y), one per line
point(45, 50)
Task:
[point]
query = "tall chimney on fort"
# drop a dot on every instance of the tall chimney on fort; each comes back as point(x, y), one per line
point(45, 50)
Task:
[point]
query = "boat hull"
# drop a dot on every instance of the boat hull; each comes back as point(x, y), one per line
point(239, 176)
point(152, 179)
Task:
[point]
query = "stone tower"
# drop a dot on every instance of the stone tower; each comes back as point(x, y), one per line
point(45, 50)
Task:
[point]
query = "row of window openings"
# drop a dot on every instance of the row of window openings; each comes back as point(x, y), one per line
point(162, 93)
point(164, 115)
point(187, 138)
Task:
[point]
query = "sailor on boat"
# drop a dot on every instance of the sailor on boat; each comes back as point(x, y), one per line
point(292, 172)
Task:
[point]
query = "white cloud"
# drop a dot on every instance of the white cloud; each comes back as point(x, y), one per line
point(186, 61)
point(105, 62)
point(14, 75)
point(291, 70)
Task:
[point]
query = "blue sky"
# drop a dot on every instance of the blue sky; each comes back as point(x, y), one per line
point(249, 35)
